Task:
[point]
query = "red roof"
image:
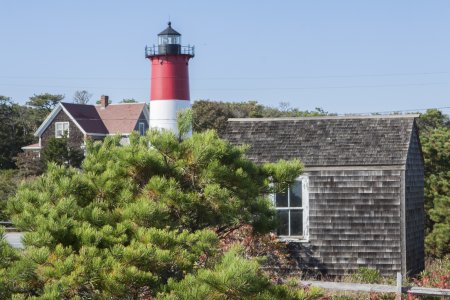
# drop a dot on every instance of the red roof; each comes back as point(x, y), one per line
point(114, 119)
point(120, 118)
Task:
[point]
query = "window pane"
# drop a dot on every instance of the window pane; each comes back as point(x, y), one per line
point(296, 194)
point(66, 126)
point(283, 219)
point(296, 222)
point(281, 200)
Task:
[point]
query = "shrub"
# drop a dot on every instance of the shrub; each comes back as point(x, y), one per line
point(366, 275)
point(435, 275)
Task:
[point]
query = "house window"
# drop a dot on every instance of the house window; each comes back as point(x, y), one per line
point(142, 128)
point(292, 210)
point(61, 129)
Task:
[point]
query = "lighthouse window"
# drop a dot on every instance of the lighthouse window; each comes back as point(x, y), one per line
point(168, 39)
point(163, 40)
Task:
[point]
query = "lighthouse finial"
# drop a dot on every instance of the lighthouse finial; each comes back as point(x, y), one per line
point(169, 23)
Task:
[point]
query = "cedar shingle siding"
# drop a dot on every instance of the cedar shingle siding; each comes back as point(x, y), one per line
point(364, 174)
point(76, 137)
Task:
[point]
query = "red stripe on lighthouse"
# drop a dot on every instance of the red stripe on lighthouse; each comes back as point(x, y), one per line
point(170, 77)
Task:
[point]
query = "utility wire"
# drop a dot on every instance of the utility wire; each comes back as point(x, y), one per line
point(246, 89)
point(244, 78)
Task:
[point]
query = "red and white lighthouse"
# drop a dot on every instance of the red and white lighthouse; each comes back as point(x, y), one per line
point(170, 79)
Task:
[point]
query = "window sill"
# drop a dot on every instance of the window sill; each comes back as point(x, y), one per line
point(295, 239)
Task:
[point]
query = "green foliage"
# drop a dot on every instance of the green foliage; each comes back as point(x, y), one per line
point(214, 115)
point(435, 139)
point(44, 102)
point(15, 131)
point(8, 185)
point(136, 217)
point(29, 164)
point(7, 257)
point(60, 152)
point(366, 275)
point(435, 275)
point(234, 277)
point(184, 121)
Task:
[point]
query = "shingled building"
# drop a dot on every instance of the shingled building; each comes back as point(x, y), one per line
point(359, 202)
point(79, 122)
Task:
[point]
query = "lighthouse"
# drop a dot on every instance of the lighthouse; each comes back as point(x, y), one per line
point(169, 91)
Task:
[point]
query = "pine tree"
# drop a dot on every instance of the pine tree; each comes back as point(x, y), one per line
point(134, 217)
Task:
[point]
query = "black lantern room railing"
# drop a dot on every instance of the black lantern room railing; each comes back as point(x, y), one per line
point(167, 49)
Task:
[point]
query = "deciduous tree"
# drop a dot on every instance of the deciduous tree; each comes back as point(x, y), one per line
point(82, 97)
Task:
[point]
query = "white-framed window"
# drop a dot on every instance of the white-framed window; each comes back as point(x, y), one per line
point(292, 208)
point(141, 128)
point(61, 128)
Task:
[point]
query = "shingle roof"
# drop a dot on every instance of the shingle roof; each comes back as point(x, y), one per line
point(87, 117)
point(120, 118)
point(115, 118)
point(325, 141)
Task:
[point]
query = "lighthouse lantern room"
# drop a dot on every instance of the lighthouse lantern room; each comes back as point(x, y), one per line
point(169, 80)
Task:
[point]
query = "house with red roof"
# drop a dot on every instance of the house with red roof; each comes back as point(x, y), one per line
point(81, 121)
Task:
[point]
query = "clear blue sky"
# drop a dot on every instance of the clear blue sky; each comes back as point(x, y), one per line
point(343, 56)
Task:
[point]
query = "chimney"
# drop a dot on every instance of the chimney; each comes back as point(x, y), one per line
point(104, 101)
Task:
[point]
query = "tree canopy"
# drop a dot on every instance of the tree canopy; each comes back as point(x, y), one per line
point(434, 129)
point(45, 102)
point(135, 220)
point(15, 131)
point(214, 114)
point(82, 97)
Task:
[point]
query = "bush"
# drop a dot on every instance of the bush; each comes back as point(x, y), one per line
point(8, 185)
point(435, 275)
point(366, 275)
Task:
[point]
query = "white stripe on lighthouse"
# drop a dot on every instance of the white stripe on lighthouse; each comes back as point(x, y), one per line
point(163, 113)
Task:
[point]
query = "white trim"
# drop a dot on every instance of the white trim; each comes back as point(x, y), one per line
point(305, 210)
point(143, 126)
point(96, 134)
point(48, 120)
point(52, 115)
point(63, 131)
point(31, 148)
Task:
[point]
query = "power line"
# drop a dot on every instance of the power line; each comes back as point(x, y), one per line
point(395, 111)
point(328, 87)
point(240, 78)
point(248, 89)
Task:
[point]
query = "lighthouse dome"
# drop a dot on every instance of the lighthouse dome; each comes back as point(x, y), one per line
point(169, 36)
point(169, 31)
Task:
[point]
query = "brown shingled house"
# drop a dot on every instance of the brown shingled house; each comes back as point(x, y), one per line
point(360, 201)
point(81, 121)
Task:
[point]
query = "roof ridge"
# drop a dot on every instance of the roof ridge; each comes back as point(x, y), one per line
point(407, 116)
point(110, 104)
